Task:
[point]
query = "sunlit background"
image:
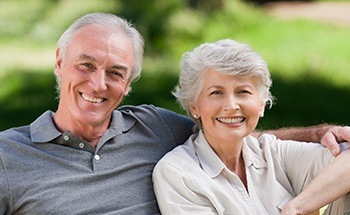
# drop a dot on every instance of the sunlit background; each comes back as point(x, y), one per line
point(309, 58)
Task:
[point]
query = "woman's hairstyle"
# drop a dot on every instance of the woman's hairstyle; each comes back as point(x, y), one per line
point(225, 56)
point(112, 23)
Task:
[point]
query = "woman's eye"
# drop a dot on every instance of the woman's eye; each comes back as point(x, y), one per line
point(244, 92)
point(216, 92)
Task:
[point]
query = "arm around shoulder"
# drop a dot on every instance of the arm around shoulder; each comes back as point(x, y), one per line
point(328, 135)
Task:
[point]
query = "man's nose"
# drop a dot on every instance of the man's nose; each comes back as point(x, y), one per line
point(98, 80)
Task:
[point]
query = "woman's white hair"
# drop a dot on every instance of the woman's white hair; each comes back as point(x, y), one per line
point(112, 23)
point(225, 56)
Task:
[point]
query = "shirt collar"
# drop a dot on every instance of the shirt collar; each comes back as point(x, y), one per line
point(44, 130)
point(122, 121)
point(212, 164)
point(253, 153)
point(208, 159)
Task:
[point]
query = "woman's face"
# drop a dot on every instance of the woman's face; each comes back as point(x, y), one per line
point(229, 106)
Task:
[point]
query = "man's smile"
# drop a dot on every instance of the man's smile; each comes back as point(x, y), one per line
point(92, 99)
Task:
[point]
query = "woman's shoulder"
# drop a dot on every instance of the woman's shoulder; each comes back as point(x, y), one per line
point(262, 141)
point(181, 156)
point(181, 153)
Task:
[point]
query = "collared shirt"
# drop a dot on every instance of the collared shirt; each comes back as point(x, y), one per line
point(44, 171)
point(192, 179)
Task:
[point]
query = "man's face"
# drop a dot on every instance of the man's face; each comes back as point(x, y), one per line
point(95, 75)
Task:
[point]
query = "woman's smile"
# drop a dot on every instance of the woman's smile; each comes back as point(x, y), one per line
point(231, 120)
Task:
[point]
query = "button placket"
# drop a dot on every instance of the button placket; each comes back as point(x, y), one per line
point(81, 145)
point(97, 157)
point(66, 137)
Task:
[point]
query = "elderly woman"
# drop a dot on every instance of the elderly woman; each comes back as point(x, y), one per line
point(224, 168)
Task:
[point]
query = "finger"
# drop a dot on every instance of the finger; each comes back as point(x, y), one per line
point(344, 134)
point(329, 140)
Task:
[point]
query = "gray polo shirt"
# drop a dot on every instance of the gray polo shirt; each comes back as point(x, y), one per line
point(44, 171)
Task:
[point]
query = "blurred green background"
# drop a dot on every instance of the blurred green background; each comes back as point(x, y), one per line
point(308, 60)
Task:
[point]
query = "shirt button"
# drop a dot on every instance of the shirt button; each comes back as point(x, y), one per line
point(65, 137)
point(97, 157)
point(81, 145)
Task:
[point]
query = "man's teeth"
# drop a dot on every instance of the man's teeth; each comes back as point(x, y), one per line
point(91, 99)
point(231, 120)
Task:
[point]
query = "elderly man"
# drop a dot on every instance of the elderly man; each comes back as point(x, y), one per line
point(89, 157)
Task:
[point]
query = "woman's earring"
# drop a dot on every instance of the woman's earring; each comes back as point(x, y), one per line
point(262, 114)
point(195, 116)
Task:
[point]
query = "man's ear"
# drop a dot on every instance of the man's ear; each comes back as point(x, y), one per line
point(58, 63)
point(127, 89)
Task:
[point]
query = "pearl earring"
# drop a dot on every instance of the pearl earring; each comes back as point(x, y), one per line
point(195, 116)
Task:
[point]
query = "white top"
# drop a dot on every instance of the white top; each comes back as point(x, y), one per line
point(192, 179)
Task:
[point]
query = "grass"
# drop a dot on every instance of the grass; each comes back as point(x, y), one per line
point(303, 47)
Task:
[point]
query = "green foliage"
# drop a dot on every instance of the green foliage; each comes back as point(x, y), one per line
point(308, 60)
point(44, 20)
point(24, 96)
point(309, 100)
point(300, 47)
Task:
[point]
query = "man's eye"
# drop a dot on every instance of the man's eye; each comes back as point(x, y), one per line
point(116, 73)
point(87, 65)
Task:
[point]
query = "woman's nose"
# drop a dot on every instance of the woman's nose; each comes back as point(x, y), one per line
point(231, 104)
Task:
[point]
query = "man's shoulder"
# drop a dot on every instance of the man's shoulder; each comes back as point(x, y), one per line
point(17, 134)
point(135, 108)
point(164, 122)
point(149, 112)
point(22, 133)
point(140, 109)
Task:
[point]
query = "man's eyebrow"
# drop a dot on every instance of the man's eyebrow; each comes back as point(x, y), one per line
point(92, 59)
point(120, 67)
point(87, 57)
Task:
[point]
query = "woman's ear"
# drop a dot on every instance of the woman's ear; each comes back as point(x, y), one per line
point(194, 112)
point(261, 114)
point(262, 110)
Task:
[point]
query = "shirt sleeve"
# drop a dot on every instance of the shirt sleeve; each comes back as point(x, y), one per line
point(301, 161)
point(4, 192)
point(176, 193)
point(180, 125)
